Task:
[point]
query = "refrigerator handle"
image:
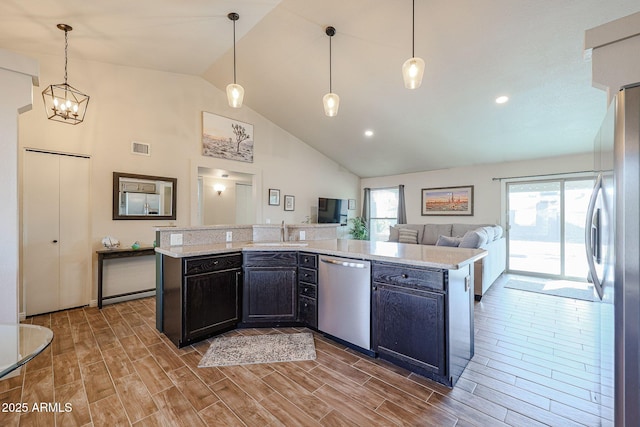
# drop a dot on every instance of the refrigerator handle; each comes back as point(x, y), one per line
point(588, 236)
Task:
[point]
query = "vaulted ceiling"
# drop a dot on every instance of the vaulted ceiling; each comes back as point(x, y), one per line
point(531, 51)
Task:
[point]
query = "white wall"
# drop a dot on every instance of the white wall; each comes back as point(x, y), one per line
point(165, 109)
point(487, 192)
point(17, 74)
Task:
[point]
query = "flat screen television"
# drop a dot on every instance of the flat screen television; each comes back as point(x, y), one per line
point(332, 211)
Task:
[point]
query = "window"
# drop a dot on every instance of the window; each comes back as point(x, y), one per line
point(383, 205)
point(546, 227)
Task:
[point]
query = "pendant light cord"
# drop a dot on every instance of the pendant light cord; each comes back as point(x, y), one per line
point(413, 30)
point(234, 51)
point(330, 88)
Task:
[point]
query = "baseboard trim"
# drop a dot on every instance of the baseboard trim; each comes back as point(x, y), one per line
point(93, 303)
point(22, 316)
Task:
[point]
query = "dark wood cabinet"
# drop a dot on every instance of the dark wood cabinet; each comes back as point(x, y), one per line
point(202, 296)
point(409, 309)
point(308, 289)
point(270, 288)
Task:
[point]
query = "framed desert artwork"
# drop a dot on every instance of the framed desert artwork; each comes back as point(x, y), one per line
point(226, 138)
point(447, 201)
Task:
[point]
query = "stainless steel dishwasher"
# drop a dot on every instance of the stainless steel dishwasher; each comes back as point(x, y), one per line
point(344, 300)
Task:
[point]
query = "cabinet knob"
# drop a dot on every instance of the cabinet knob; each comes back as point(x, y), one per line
point(55, 241)
point(306, 304)
point(306, 259)
point(306, 289)
point(215, 262)
point(404, 275)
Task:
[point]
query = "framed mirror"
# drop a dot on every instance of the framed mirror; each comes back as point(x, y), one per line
point(143, 196)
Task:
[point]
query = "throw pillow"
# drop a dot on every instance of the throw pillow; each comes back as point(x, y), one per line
point(474, 239)
point(407, 235)
point(452, 242)
point(393, 234)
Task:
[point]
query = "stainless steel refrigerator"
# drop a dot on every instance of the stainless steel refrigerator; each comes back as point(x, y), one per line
point(612, 236)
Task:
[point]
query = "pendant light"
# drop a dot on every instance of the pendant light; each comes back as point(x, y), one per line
point(63, 102)
point(331, 100)
point(235, 92)
point(413, 68)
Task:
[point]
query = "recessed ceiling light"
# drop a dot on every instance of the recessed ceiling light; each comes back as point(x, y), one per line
point(502, 99)
point(368, 133)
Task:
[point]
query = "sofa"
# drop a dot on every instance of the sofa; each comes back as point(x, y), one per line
point(480, 236)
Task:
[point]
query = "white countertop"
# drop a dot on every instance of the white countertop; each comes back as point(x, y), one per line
point(419, 255)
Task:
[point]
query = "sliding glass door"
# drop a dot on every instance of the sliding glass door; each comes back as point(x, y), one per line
point(546, 227)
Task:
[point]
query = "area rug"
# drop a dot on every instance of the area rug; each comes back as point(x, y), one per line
point(560, 288)
point(247, 350)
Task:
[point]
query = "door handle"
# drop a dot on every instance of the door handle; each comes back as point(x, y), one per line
point(55, 241)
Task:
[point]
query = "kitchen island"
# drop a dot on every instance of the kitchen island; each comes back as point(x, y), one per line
point(421, 310)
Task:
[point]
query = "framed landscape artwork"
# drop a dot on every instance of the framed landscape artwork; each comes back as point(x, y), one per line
point(226, 138)
point(447, 201)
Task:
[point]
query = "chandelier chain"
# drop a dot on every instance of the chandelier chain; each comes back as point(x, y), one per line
point(66, 47)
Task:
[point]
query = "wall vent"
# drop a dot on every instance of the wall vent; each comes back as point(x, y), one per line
point(140, 148)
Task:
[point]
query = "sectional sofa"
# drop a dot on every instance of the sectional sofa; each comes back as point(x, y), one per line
point(483, 236)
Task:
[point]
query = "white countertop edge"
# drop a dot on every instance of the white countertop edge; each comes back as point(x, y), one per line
point(469, 257)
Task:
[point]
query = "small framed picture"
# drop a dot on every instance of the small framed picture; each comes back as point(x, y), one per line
point(352, 204)
point(289, 203)
point(274, 197)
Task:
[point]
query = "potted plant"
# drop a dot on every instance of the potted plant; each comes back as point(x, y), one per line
point(359, 230)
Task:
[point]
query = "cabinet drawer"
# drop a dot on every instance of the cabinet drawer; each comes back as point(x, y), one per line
point(307, 312)
point(199, 265)
point(307, 290)
point(400, 275)
point(270, 259)
point(307, 260)
point(307, 275)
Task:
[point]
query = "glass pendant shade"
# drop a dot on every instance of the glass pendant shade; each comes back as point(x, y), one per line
point(331, 103)
point(235, 95)
point(412, 72)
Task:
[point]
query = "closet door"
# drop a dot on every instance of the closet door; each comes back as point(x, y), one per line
point(41, 237)
point(56, 234)
point(75, 242)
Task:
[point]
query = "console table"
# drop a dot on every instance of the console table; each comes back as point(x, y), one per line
point(21, 343)
point(119, 253)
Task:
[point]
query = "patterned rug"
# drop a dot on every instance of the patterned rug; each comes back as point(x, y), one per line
point(560, 288)
point(246, 350)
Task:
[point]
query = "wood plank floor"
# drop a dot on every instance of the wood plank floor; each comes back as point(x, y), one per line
point(537, 363)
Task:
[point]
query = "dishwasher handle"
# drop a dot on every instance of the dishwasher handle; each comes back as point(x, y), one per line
point(341, 263)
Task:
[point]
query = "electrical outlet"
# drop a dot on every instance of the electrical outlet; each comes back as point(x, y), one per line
point(176, 239)
point(229, 236)
point(303, 234)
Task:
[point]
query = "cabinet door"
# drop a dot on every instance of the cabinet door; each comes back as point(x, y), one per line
point(269, 294)
point(211, 303)
point(409, 327)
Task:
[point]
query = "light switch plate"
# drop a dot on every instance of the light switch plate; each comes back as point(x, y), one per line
point(229, 236)
point(176, 239)
point(303, 234)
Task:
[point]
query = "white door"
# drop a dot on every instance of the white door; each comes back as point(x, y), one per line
point(56, 242)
